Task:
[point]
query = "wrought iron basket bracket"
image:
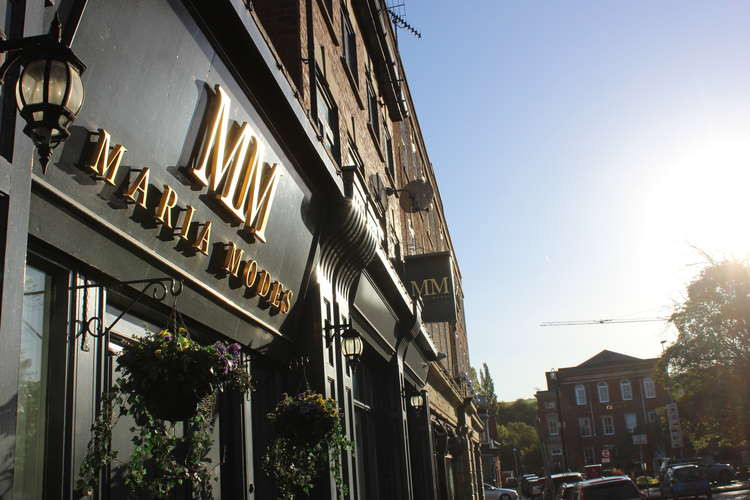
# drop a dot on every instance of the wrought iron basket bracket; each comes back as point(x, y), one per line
point(156, 288)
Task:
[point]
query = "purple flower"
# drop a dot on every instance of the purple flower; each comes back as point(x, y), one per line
point(234, 348)
point(220, 347)
point(168, 337)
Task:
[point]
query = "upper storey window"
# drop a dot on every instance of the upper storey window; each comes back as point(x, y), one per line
point(349, 44)
point(603, 389)
point(373, 119)
point(649, 390)
point(626, 390)
point(580, 395)
point(327, 119)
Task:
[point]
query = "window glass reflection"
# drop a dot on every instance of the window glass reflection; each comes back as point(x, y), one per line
point(31, 409)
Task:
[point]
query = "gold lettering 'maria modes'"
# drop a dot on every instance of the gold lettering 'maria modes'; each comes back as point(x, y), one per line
point(233, 170)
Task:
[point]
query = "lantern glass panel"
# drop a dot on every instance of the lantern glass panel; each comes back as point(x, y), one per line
point(416, 401)
point(58, 82)
point(75, 101)
point(31, 83)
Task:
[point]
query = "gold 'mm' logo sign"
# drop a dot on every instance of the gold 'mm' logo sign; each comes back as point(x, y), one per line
point(233, 169)
point(430, 287)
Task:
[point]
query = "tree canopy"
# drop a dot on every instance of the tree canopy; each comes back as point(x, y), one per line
point(707, 369)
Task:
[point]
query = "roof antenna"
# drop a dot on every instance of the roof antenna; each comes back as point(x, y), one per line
point(397, 11)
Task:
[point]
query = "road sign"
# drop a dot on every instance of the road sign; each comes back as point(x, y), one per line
point(605, 455)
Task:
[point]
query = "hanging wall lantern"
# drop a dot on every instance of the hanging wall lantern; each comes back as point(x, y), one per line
point(352, 345)
point(416, 401)
point(49, 91)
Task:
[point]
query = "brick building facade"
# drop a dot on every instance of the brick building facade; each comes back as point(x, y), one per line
point(600, 412)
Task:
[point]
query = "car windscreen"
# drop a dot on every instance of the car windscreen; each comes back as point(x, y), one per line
point(691, 474)
point(572, 478)
point(612, 491)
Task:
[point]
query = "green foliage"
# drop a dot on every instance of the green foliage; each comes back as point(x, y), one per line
point(164, 458)
point(487, 389)
point(309, 441)
point(520, 410)
point(523, 438)
point(707, 368)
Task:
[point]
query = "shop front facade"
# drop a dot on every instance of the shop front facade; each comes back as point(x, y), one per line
point(196, 184)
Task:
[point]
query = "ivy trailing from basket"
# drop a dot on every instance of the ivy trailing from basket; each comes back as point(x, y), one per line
point(309, 441)
point(165, 378)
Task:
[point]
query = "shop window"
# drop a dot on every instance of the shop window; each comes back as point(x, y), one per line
point(603, 389)
point(608, 425)
point(649, 390)
point(580, 395)
point(349, 44)
point(626, 390)
point(31, 409)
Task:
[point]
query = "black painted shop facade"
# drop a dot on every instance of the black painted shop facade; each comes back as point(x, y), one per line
point(130, 196)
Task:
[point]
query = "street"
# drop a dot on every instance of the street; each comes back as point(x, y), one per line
point(733, 494)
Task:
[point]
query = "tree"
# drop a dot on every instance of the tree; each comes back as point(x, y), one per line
point(487, 389)
point(522, 437)
point(520, 410)
point(707, 369)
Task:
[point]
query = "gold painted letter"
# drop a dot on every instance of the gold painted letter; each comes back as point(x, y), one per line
point(167, 202)
point(139, 186)
point(233, 259)
point(101, 163)
point(201, 244)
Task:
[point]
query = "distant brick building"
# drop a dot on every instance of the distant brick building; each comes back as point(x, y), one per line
point(489, 444)
point(597, 411)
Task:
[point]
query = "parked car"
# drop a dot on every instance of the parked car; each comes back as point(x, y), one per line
point(685, 481)
point(537, 487)
point(495, 493)
point(608, 488)
point(567, 492)
point(566, 477)
point(526, 481)
point(722, 473)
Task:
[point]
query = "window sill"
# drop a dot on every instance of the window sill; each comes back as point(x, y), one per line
point(328, 21)
point(353, 82)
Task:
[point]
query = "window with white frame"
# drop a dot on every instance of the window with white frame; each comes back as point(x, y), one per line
point(550, 405)
point(626, 390)
point(584, 426)
point(350, 44)
point(580, 395)
point(608, 425)
point(589, 457)
point(631, 422)
point(555, 452)
point(649, 389)
point(553, 425)
point(652, 416)
point(603, 389)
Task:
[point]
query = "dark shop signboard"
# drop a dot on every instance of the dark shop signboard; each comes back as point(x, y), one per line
point(430, 276)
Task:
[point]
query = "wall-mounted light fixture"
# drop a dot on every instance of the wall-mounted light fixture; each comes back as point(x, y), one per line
point(49, 91)
point(415, 399)
point(352, 344)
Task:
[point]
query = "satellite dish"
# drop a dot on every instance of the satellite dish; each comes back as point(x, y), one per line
point(416, 196)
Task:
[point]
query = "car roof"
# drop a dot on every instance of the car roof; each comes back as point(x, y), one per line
point(685, 466)
point(566, 474)
point(603, 480)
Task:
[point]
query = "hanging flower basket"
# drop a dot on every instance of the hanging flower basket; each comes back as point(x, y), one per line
point(173, 373)
point(309, 440)
point(165, 377)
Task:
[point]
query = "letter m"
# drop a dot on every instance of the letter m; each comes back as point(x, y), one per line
point(439, 289)
point(218, 161)
point(102, 163)
point(420, 290)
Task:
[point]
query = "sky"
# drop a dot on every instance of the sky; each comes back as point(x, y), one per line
point(587, 153)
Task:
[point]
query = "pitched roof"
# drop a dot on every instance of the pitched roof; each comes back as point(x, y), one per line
point(607, 357)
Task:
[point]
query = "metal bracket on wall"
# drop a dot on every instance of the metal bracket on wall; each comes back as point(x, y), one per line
point(156, 288)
